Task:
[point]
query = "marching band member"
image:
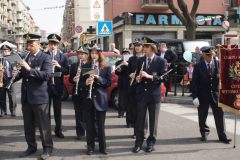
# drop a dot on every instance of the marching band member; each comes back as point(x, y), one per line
point(205, 93)
point(96, 100)
point(123, 84)
point(148, 94)
point(7, 75)
point(56, 86)
point(75, 70)
point(35, 73)
point(132, 69)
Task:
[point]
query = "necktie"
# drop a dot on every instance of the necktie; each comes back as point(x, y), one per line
point(209, 69)
point(5, 74)
point(148, 62)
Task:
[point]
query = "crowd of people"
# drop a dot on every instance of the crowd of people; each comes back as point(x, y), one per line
point(140, 78)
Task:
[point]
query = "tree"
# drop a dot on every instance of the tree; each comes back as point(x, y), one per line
point(188, 18)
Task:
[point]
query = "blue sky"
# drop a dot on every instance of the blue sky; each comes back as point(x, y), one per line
point(47, 19)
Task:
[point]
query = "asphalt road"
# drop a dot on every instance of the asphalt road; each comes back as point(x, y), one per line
point(178, 137)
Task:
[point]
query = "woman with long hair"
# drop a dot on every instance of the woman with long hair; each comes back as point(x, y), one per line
point(132, 68)
point(96, 101)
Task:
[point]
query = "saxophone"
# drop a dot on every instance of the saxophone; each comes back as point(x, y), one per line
point(76, 86)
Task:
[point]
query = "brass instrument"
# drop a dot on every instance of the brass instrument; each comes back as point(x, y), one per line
point(92, 76)
point(76, 87)
point(18, 71)
point(1, 72)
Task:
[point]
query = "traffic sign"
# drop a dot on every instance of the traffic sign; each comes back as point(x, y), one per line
point(104, 28)
point(97, 10)
point(78, 29)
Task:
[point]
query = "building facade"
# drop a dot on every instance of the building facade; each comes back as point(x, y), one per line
point(153, 18)
point(15, 20)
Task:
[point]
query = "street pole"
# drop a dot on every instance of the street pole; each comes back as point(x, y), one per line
point(235, 130)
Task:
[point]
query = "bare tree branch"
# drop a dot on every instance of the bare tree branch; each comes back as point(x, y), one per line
point(183, 6)
point(176, 11)
point(194, 8)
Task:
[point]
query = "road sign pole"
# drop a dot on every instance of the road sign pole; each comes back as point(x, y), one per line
point(235, 130)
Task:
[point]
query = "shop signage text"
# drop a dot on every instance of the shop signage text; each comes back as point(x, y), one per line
point(171, 19)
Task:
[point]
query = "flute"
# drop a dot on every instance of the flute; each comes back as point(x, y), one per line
point(14, 77)
point(76, 86)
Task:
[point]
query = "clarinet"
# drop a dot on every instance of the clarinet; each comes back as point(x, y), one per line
point(1, 72)
point(141, 69)
point(14, 77)
point(76, 87)
point(53, 68)
point(91, 85)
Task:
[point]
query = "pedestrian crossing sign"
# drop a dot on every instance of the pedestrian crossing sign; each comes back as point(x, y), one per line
point(104, 28)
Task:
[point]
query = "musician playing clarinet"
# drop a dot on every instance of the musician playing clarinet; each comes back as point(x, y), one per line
point(56, 86)
point(148, 93)
point(95, 99)
point(75, 71)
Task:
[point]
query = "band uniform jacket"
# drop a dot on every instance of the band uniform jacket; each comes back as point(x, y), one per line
point(149, 90)
point(123, 78)
point(99, 89)
point(72, 74)
point(204, 86)
point(132, 67)
point(170, 57)
point(34, 88)
point(57, 89)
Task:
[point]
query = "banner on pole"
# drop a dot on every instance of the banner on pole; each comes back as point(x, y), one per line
point(229, 88)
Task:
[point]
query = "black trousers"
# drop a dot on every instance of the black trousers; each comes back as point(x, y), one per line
point(123, 96)
point(167, 84)
point(57, 109)
point(79, 116)
point(153, 112)
point(133, 112)
point(95, 117)
point(11, 92)
point(37, 114)
point(218, 117)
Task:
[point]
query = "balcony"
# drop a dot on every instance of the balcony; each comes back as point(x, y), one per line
point(10, 17)
point(3, 25)
point(9, 7)
point(4, 2)
point(19, 25)
point(155, 4)
point(14, 2)
point(19, 17)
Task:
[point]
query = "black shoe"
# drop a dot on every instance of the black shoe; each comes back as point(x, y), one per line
point(225, 140)
point(46, 154)
point(103, 151)
point(203, 139)
point(134, 136)
point(79, 137)
point(149, 148)
point(13, 115)
point(136, 149)
point(28, 152)
point(90, 151)
point(59, 134)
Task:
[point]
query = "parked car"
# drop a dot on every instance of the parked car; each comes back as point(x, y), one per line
point(111, 59)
